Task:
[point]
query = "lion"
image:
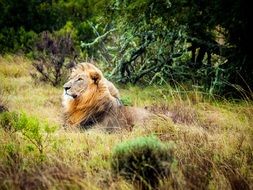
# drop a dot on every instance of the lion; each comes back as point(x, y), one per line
point(89, 99)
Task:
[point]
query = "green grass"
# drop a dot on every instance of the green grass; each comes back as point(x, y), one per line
point(213, 138)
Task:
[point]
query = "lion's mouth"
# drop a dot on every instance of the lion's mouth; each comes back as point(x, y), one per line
point(71, 95)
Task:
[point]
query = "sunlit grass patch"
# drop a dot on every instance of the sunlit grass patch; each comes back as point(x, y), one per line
point(140, 96)
point(14, 71)
point(14, 66)
point(22, 93)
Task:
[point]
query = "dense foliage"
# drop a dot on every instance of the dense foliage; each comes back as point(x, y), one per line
point(203, 44)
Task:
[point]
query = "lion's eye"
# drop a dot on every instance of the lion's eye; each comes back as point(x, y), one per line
point(79, 79)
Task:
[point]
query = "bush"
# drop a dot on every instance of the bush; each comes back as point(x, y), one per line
point(19, 40)
point(26, 40)
point(53, 55)
point(31, 128)
point(143, 161)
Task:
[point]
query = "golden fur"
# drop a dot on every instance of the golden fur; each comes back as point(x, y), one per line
point(90, 99)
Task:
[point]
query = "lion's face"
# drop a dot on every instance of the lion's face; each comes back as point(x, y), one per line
point(80, 79)
point(76, 85)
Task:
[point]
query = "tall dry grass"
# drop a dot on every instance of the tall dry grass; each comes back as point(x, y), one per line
point(213, 138)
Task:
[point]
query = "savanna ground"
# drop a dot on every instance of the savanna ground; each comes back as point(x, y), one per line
point(213, 138)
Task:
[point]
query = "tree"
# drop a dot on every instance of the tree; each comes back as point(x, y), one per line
point(167, 41)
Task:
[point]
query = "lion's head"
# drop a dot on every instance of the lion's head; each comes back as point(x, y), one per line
point(87, 94)
point(82, 76)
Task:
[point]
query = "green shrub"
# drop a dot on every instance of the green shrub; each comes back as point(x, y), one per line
point(143, 160)
point(26, 40)
point(13, 40)
point(9, 120)
point(31, 128)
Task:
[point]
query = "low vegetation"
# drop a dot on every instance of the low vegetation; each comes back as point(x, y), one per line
point(143, 161)
point(212, 138)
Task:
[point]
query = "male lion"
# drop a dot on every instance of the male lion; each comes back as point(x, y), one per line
point(90, 99)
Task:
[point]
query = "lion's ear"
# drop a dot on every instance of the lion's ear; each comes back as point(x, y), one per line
point(95, 76)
